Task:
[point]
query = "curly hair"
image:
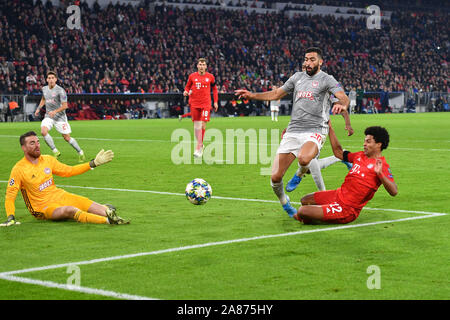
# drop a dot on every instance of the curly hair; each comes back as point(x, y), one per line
point(379, 134)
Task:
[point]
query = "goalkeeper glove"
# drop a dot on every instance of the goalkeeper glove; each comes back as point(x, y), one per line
point(101, 158)
point(11, 220)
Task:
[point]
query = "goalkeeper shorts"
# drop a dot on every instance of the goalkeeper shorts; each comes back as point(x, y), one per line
point(68, 199)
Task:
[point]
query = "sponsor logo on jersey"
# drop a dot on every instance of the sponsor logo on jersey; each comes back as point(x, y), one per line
point(305, 95)
point(46, 184)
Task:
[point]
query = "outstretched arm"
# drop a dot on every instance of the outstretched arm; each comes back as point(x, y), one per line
point(276, 94)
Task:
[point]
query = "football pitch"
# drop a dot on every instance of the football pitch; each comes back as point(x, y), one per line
point(240, 245)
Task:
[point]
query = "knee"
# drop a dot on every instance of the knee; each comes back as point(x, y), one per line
point(66, 137)
point(276, 177)
point(304, 160)
point(69, 212)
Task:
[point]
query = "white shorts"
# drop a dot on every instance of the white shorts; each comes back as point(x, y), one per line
point(352, 103)
point(274, 108)
point(62, 127)
point(292, 142)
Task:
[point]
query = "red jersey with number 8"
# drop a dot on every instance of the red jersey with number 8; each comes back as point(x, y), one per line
point(200, 87)
point(361, 182)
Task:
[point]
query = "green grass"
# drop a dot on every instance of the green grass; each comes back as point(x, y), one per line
point(321, 263)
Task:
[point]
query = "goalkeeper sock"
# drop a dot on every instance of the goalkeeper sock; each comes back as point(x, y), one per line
point(49, 140)
point(86, 217)
point(74, 144)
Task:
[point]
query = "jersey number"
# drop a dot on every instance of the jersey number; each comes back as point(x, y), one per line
point(334, 208)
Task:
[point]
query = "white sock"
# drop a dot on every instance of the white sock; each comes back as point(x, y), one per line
point(314, 168)
point(279, 191)
point(75, 145)
point(49, 140)
point(302, 170)
point(328, 161)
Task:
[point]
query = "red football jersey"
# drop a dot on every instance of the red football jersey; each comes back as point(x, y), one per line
point(201, 89)
point(361, 182)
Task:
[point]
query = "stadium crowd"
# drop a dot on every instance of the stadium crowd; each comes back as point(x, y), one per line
point(153, 48)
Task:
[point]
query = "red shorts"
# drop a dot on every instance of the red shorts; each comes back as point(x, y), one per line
point(201, 114)
point(335, 211)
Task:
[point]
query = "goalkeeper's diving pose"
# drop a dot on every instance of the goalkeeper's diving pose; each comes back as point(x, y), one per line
point(33, 176)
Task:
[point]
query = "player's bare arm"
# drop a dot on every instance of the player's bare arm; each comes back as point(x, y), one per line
point(390, 186)
point(348, 125)
point(40, 105)
point(342, 104)
point(276, 94)
point(335, 144)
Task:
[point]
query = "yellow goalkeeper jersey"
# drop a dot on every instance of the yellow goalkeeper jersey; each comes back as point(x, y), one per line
point(36, 183)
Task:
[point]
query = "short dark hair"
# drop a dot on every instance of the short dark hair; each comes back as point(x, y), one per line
point(27, 134)
point(51, 72)
point(202, 60)
point(379, 134)
point(316, 50)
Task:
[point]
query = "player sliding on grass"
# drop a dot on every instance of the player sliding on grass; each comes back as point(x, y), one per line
point(308, 128)
point(198, 88)
point(369, 171)
point(33, 176)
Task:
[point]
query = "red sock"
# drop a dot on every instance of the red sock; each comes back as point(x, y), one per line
point(203, 134)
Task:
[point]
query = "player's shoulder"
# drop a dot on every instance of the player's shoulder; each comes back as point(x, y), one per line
point(21, 166)
point(59, 88)
point(297, 76)
point(358, 155)
point(322, 74)
point(46, 158)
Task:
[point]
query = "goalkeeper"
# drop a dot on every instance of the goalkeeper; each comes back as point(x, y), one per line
point(33, 176)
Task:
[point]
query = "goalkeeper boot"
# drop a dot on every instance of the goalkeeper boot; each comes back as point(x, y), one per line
point(289, 208)
point(293, 183)
point(56, 153)
point(113, 218)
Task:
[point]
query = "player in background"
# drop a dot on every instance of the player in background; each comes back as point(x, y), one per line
point(308, 128)
point(54, 98)
point(33, 177)
point(274, 107)
point(198, 88)
point(369, 171)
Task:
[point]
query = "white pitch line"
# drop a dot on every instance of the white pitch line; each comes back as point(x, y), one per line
point(51, 284)
point(209, 244)
point(231, 198)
